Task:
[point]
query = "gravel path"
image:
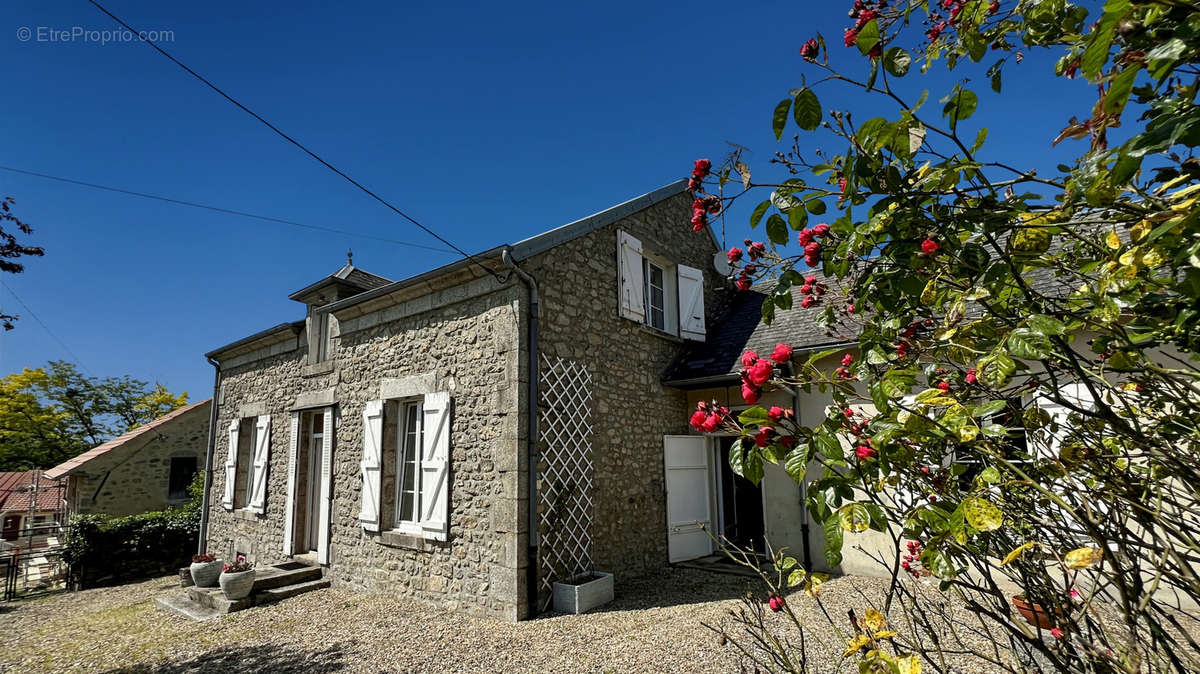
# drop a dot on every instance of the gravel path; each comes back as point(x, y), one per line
point(653, 626)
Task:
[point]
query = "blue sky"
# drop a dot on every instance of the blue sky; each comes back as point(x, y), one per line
point(487, 122)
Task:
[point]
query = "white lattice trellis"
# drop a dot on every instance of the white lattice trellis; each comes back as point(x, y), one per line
point(565, 471)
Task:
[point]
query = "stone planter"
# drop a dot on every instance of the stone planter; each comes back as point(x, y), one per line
point(205, 574)
point(237, 585)
point(583, 593)
point(1034, 614)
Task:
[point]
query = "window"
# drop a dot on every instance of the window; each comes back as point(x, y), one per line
point(1015, 445)
point(246, 463)
point(656, 291)
point(247, 440)
point(408, 464)
point(318, 335)
point(183, 469)
point(656, 311)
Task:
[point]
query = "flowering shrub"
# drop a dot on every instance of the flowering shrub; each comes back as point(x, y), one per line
point(238, 565)
point(1023, 405)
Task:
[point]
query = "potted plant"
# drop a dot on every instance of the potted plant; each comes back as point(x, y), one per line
point(205, 568)
point(583, 592)
point(1035, 614)
point(237, 579)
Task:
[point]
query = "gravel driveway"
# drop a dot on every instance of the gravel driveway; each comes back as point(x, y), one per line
point(653, 626)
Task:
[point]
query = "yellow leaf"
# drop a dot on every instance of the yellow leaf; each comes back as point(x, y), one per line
point(813, 587)
point(796, 577)
point(1130, 257)
point(874, 620)
point(1113, 241)
point(982, 514)
point(1081, 558)
point(909, 665)
point(854, 517)
point(1171, 183)
point(1153, 258)
point(968, 433)
point(1016, 552)
point(856, 643)
point(886, 634)
point(1139, 231)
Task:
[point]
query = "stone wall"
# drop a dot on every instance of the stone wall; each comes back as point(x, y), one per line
point(467, 341)
point(135, 477)
point(632, 409)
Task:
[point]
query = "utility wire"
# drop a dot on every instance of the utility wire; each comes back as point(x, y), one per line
point(46, 328)
point(219, 209)
point(291, 140)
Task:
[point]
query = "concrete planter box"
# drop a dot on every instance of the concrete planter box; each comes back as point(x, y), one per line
point(237, 585)
point(205, 574)
point(583, 593)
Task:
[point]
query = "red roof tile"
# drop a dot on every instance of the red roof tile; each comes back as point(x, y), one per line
point(69, 465)
point(16, 491)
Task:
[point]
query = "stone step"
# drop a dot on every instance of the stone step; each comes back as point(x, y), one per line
point(278, 593)
point(279, 575)
point(213, 598)
point(180, 604)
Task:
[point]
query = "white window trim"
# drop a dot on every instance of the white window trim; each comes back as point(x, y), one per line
point(670, 293)
point(251, 444)
point(408, 406)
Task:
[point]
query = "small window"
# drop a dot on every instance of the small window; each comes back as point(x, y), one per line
point(408, 464)
point(245, 463)
point(183, 469)
point(656, 296)
point(1015, 445)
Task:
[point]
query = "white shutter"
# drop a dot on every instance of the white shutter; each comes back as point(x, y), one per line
point(231, 465)
point(261, 457)
point(326, 487)
point(632, 279)
point(289, 512)
point(435, 466)
point(691, 303)
point(371, 464)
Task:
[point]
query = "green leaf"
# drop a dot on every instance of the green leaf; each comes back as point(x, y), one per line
point(779, 119)
point(777, 230)
point(833, 540)
point(752, 465)
point(753, 416)
point(829, 447)
point(979, 140)
point(854, 517)
point(960, 105)
point(878, 518)
point(896, 61)
point(807, 111)
point(759, 211)
point(990, 407)
point(796, 463)
point(982, 514)
point(1046, 325)
point(1025, 343)
point(995, 369)
point(815, 206)
point(736, 454)
point(1095, 55)
point(868, 37)
point(797, 218)
point(1118, 91)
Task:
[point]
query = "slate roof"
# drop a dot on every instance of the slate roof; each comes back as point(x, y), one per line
point(16, 492)
point(741, 327)
point(69, 466)
point(348, 275)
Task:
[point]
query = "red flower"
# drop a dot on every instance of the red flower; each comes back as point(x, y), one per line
point(788, 441)
point(743, 282)
point(821, 229)
point(929, 246)
point(776, 603)
point(849, 308)
point(697, 420)
point(807, 302)
point(842, 185)
point(712, 205)
point(971, 378)
point(848, 412)
point(810, 50)
point(1056, 633)
point(781, 354)
point(760, 372)
point(994, 7)
point(805, 236)
point(813, 248)
point(850, 37)
point(694, 185)
point(749, 358)
point(763, 437)
point(711, 423)
point(810, 279)
point(847, 360)
point(775, 413)
point(701, 168)
point(865, 16)
point(944, 386)
point(864, 452)
point(875, 52)
point(805, 289)
point(902, 349)
point(749, 394)
point(734, 254)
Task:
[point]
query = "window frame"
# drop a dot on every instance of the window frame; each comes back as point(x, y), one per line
point(182, 497)
point(244, 471)
point(670, 294)
point(408, 409)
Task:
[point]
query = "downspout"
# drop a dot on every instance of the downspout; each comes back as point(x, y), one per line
point(531, 584)
point(201, 547)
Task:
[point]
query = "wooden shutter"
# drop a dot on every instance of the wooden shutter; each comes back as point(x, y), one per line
point(326, 487)
point(691, 302)
point(231, 465)
point(261, 457)
point(372, 461)
point(435, 466)
point(289, 512)
point(632, 277)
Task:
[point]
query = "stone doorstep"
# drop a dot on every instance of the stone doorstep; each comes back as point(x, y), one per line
point(271, 584)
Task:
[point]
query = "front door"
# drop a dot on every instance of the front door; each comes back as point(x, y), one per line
point(689, 519)
point(740, 514)
point(12, 527)
point(312, 514)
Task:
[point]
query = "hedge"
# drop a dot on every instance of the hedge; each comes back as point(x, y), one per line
point(105, 550)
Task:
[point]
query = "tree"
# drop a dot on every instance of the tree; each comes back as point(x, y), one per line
point(1024, 404)
point(48, 415)
point(11, 249)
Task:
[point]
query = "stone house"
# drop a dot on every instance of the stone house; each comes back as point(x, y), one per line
point(390, 435)
point(147, 469)
point(31, 508)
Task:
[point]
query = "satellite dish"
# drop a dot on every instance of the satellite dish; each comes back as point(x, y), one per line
point(721, 263)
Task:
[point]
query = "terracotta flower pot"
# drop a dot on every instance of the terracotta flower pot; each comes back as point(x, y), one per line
point(1034, 614)
point(237, 585)
point(205, 574)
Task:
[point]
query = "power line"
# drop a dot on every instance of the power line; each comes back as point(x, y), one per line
point(47, 328)
point(293, 141)
point(219, 209)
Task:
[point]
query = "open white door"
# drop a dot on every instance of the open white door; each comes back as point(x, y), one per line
point(689, 519)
